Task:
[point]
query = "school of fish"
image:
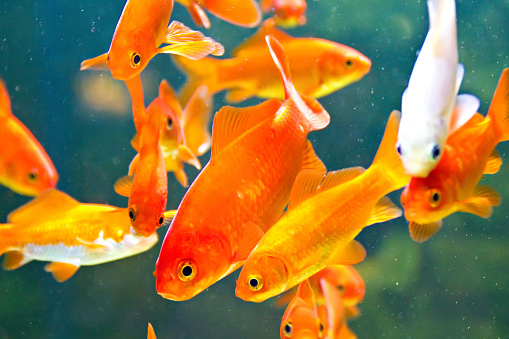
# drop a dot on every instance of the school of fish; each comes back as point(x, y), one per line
point(265, 202)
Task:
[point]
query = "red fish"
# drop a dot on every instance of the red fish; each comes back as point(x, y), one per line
point(25, 167)
point(453, 185)
point(288, 13)
point(256, 155)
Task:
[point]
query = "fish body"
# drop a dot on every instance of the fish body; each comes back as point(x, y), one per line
point(340, 205)
point(453, 185)
point(319, 67)
point(288, 13)
point(256, 155)
point(431, 95)
point(25, 167)
point(241, 13)
point(55, 227)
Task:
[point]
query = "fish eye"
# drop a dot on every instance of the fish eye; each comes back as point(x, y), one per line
point(132, 214)
point(398, 148)
point(288, 329)
point(135, 60)
point(187, 270)
point(434, 197)
point(255, 282)
point(349, 63)
point(321, 330)
point(32, 176)
point(169, 123)
point(341, 288)
point(161, 220)
point(435, 152)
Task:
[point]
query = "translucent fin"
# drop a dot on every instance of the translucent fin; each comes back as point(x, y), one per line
point(306, 294)
point(198, 15)
point(466, 107)
point(192, 44)
point(310, 160)
point(493, 164)
point(61, 271)
point(124, 185)
point(384, 210)
point(499, 108)
point(305, 186)
point(351, 254)
point(14, 260)
point(422, 232)
point(98, 63)
point(482, 202)
point(196, 119)
point(179, 172)
point(186, 155)
point(251, 234)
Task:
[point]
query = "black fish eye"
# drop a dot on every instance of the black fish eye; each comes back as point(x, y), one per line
point(321, 328)
point(132, 214)
point(288, 329)
point(169, 123)
point(135, 60)
point(186, 270)
point(434, 197)
point(161, 220)
point(255, 282)
point(348, 63)
point(32, 176)
point(435, 152)
point(398, 149)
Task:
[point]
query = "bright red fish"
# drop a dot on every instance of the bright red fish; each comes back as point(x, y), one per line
point(453, 185)
point(25, 167)
point(256, 155)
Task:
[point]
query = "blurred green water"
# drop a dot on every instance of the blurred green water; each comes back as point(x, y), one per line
point(453, 286)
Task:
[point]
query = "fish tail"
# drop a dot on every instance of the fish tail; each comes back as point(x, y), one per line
point(242, 13)
point(499, 108)
point(198, 72)
point(442, 21)
point(387, 158)
point(314, 113)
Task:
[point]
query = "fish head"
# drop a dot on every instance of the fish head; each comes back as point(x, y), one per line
point(164, 118)
point(263, 276)
point(146, 211)
point(339, 66)
point(190, 262)
point(129, 53)
point(347, 280)
point(300, 321)
point(33, 175)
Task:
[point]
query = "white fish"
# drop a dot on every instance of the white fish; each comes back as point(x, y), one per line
point(432, 94)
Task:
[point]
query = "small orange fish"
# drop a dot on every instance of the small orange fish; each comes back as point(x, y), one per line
point(256, 155)
point(453, 185)
point(301, 320)
point(25, 167)
point(319, 67)
point(55, 227)
point(340, 205)
point(241, 13)
point(288, 13)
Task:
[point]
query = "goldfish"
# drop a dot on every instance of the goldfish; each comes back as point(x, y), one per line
point(340, 204)
point(25, 167)
point(256, 154)
point(301, 319)
point(288, 13)
point(319, 67)
point(172, 140)
point(453, 185)
point(135, 42)
point(432, 94)
point(55, 227)
point(241, 13)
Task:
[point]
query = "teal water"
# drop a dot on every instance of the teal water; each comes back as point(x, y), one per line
point(453, 286)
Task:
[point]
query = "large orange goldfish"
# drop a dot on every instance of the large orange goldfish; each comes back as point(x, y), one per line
point(288, 13)
point(55, 227)
point(340, 205)
point(319, 67)
point(256, 155)
point(25, 167)
point(242, 13)
point(300, 320)
point(453, 185)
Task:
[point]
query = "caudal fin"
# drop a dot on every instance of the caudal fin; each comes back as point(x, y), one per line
point(309, 107)
point(499, 108)
point(244, 13)
point(387, 158)
point(198, 72)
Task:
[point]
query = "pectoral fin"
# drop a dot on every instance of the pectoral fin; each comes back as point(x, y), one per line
point(482, 202)
point(98, 63)
point(186, 155)
point(422, 232)
point(251, 234)
point(124, 185)
point(61, 271)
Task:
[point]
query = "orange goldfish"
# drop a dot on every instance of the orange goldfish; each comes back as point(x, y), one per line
point(25, 167)
point(319, 67)
point(301, 320)
point(55, 227)
point(172, 141)
point(340, 205)
point(241, 13)
point(453, 185)
point(256, 155)
point(288, 13)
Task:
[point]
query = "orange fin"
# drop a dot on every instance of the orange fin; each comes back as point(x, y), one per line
point(481, 203)
point(310, 160)
point(14, 260)
point(236, 95)
point(150, 332)
point(168, 217)
point(420, 233)
point(306, 294)
point(198, 15)
point(351, 254)
point(98, 63)
point(133, 166)
point(499, 108)
point(61, 271)
point(91, 246)
point(493, 164)
point(305, 186)
point(251, 234)
point(231, 122)
point(336, 178)
point(196, 119)
point(124, 185)
point(466, 107)
point(258, 39)
point(51, 200)
point(178, 172)
point(334, 304)
point(186, 155)
point(384, 210)
point(192, 44)
point(5, 100)
point(169, 96)
point(284, 299)
point(244, 13)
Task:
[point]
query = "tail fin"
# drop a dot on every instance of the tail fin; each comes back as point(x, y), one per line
point(198, 72)
point(499, 108)
point(244, 13)
point(387, 158)
point(309, 107)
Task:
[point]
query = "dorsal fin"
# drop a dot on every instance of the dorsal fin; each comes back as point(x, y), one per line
point(384, 210)
point(231, 122)
point(306, 294)
point(47, 202)
point(5, 100)
point(339, 177)
point(268, 27)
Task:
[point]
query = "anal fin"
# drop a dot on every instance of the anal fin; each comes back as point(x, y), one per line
point(14, 260)
point(61, 271)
